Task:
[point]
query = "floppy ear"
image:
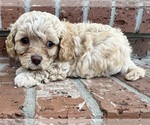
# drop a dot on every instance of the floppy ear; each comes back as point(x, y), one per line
point(10, 43)
point(66, 51)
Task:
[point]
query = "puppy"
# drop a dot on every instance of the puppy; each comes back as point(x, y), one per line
point(51, 50)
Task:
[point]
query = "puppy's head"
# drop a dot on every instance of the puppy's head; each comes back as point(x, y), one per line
point(34, 39)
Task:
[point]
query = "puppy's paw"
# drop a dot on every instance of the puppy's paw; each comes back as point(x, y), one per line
point(20, 70)
point(25, 80)
point(135, 74)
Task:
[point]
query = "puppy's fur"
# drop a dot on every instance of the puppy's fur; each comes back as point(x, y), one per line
point(83, 50)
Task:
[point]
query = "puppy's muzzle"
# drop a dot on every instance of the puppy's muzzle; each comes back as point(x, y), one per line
point(36, 59)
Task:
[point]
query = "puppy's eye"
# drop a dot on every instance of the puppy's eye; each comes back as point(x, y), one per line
point(49, 44)
point(25, 40)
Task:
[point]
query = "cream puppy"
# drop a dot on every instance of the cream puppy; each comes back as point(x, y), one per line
point(51, 50)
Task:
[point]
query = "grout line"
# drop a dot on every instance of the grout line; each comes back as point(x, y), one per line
point(131, 89)
point(113, 13)
point(57, 8)
point(90, 101)
point(27, 5)
point(139, 17)
point(0, 22)
point(29, 105)
point(85, 8)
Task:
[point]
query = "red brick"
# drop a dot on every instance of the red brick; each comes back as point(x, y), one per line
point(142, 85)
point(44, 6)
point(125, 18)
point(100, 11)
point(11, 100)
point(10, 14)
point(12, 3)
point(115, 100)
point(127, 3)
point(145, 27)
point(44, 9)
point(11, 10)
point(60, 100)
point(123, 122)
point(71, 11)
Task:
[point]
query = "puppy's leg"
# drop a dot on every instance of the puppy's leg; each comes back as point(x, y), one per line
point(134, 72)
point(58, 71)
point(25, 79)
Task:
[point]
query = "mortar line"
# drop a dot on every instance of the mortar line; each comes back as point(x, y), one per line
point(139, 17)
point(85, 8)
point(142, 96)
point(90, 101)
point(113, 12)
point(29, 106)
point(27, 5)
point(57, 8)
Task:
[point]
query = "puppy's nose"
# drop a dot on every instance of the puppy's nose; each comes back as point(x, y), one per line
point(36, 59)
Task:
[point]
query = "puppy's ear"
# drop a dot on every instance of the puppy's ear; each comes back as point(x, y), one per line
point(10, 43)
point(66, 51)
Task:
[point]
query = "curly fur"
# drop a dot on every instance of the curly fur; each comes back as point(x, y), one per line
point(83, 50)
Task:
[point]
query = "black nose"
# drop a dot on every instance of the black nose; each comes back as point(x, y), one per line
point(36, 59)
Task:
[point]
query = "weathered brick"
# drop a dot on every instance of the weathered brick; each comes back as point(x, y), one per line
point(127, 3)
point(60, 100)
point(100, 11)
point(115, 100)
point(10, 11)
point(44, 6)
point(125, 122)
point(11, 100)
point(10, 14)
point(125, 18)
point(71, 11)
point(145, 27)
point(142, 85)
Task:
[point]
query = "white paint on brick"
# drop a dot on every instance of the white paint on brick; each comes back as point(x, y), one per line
point(139, 17)
point(61, 88)
point(27, 5)
point(81, 105)
point(113, 13)
point(57, 8)
point(85, 8)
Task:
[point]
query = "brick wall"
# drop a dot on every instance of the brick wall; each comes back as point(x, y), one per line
point(131, 16)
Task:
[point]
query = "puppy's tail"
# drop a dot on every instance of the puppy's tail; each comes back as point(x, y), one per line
point(134, 72)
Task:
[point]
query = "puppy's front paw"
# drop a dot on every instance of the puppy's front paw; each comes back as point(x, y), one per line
point(135, 74)
point(25, 80)
point(20, 70)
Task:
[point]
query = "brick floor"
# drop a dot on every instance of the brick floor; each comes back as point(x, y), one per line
point(63, 102)
point(11, 97)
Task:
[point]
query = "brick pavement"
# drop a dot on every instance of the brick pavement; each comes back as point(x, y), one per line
point(75, 101)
